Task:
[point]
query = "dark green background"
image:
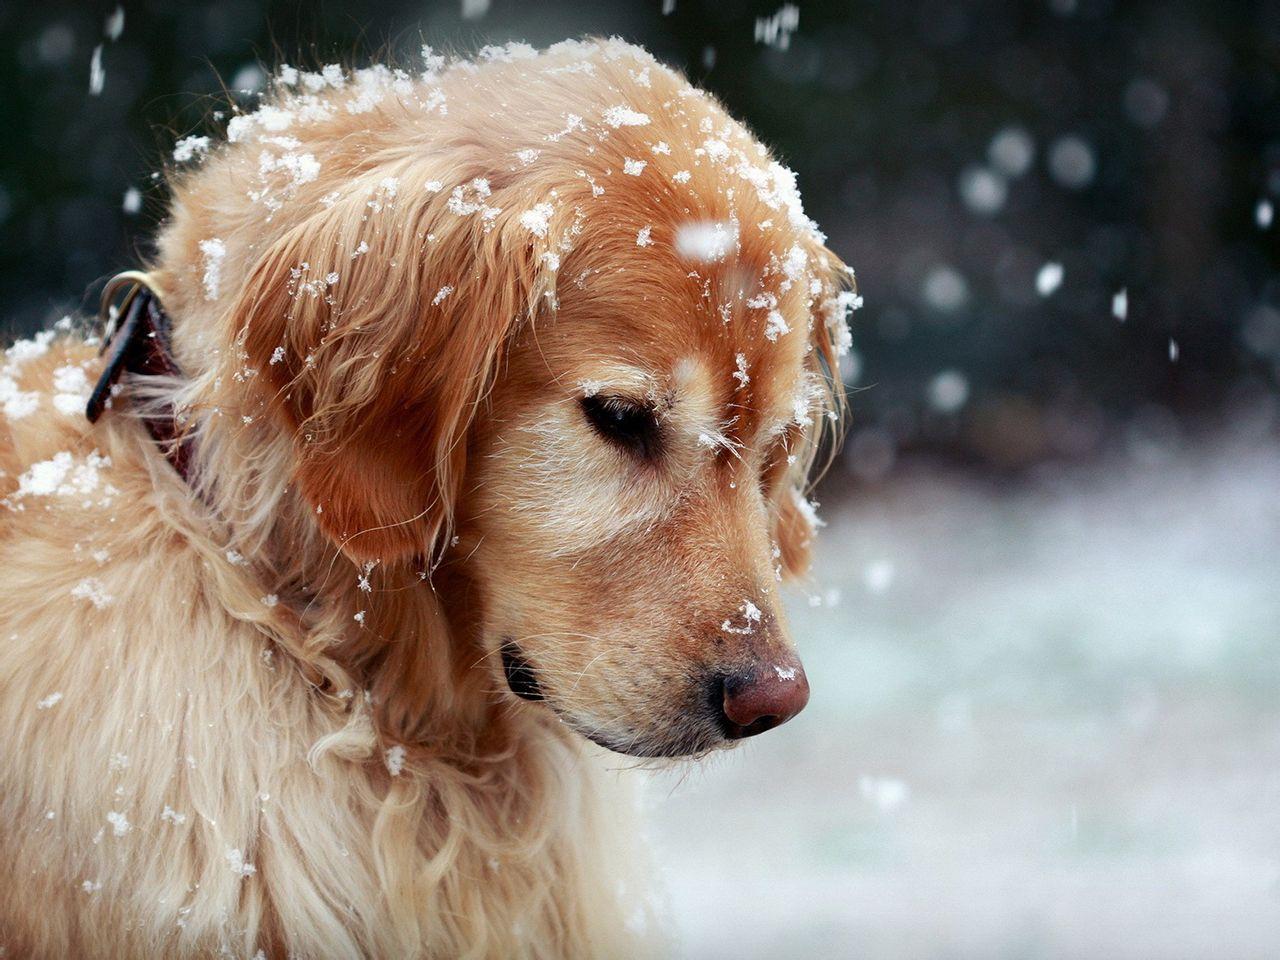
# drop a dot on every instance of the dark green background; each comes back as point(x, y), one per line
point(879, 106)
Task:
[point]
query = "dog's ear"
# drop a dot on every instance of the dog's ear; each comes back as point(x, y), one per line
point(830, 298)
point(374, 329)
point(793, 530)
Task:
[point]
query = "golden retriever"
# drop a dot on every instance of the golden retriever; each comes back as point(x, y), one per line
point(500, 382)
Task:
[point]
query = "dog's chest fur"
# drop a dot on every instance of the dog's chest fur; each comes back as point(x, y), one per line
point(171, 785)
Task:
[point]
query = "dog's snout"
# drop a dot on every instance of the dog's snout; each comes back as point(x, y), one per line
point(759, 700)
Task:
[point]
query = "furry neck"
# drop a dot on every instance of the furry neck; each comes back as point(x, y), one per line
point(403, 635)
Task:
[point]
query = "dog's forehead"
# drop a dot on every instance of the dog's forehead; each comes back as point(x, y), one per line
point(729, 336)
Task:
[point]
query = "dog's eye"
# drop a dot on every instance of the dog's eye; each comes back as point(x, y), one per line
point(624, 423)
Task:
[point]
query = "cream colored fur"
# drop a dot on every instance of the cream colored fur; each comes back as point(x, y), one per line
point(179, 713)
point(235, 726)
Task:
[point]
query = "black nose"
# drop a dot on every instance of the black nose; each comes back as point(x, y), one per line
point(759, 700)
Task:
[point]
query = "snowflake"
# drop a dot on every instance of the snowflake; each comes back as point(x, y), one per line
point(394, 759)
point(213, 251)
point(537, 221)
point(622, 116)
point(91, 589)
point(188, 148)
point(236, 861)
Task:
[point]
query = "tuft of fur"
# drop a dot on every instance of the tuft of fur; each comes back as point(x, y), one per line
point(280, 729)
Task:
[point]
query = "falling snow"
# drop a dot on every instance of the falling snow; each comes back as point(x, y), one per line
point(1120, 305)
point(1049, 279)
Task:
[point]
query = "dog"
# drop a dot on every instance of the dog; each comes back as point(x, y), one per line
point(489, 396)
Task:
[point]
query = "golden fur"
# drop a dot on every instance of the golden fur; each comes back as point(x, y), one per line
point(267, 716)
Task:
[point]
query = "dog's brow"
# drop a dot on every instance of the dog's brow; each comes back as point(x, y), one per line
point(618, 378)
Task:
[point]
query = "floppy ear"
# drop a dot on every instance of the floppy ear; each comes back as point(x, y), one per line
point(793, 533)
point(830, 298)
point(374, 329)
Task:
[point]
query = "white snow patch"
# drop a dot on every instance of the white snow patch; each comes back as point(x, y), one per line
point(63, 476)
point(751, 615)
point(71, 390)
point(26, 350)
point(537, 220)
point(394, 758)
point(706, 241)
point(91, 589)
point(189, 148)
point(775, 325)
point(807, 509)
point(623, 116)
point(170, 815)
point(238, 865)
point(212, 251)
point(17, 403)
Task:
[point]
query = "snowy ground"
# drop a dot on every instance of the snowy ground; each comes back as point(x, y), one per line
point(1045, 724)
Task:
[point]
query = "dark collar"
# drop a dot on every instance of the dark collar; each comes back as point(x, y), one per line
point(139, 345)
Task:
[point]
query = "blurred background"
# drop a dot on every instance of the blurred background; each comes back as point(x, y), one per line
point(1043, 626)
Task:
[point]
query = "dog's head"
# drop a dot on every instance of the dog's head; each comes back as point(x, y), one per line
point(573, 339)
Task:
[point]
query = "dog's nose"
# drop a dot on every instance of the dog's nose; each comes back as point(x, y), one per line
point(764, 698)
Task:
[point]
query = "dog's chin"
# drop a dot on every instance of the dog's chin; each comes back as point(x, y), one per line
point(522, 679)
point(688, 747)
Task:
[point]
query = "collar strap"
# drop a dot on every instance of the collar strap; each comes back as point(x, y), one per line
point(139, 345)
